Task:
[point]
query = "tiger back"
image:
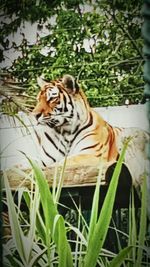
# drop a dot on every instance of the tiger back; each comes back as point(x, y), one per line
point(68, 126)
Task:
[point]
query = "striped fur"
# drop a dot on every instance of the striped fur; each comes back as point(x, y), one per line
point(69, 126)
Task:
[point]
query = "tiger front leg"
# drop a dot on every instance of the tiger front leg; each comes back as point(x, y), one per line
point(88, 162)
point(80, 160)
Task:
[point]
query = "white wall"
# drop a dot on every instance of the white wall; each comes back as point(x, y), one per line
point(126, 116)
point(14, 137)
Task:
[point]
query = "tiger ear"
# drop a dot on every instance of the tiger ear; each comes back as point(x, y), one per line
point(41, 82)
point(70, 83)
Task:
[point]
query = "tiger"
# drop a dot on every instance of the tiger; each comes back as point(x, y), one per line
point(67, 126)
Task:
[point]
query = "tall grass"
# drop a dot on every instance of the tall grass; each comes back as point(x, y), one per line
point(138, 231)
point(40, 236)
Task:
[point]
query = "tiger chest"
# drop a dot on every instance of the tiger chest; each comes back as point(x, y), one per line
point(54, 146)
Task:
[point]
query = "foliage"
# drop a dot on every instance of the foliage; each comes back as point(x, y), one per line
point(99, 42)
point(38, 239)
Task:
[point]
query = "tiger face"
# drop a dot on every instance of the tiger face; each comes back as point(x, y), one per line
point(56, 102)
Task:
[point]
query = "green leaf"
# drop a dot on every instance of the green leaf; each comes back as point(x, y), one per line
point(143, 223)
point(101, 228)
point(95, 204)
point(54, 228)
point(14, 223)
point(40, 227)
point(10, 261)
point(119, 259)
point(132, 226)
point(37, 257)
point(60, 235)
point(34, 207)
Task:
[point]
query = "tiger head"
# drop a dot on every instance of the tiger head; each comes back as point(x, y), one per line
point(59, 102)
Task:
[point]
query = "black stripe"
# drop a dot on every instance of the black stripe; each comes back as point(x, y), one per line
point(84, 137)
point(83, 128)
point(59, 109)
point(58, 130)
point(99, 155)
point(76, 129)
point(51, 140)
point(117, 157)
point(63, 143)
point(38, 137)
point(43, 163)
point(65, 104)
point(48, 155)
point(89, 147)
point(71, 103)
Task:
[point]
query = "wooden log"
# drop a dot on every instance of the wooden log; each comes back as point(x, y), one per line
point(73, 176)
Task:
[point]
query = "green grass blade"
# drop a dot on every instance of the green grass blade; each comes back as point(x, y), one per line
point(101, 228)
point(36, 258)
point(60, 234)
point(50, 213)
point(83, 221)
point(132, 228)
point(40, 227)
point(49, 208)
point(12, 261)
point(26, 196)
point(60, 182)
point(14, 223)
point(78, 247)
point(79, 234)
point(55, 178)
point(95, 204)
point(118, 242)
point(119, 259)
point(143, 223)
point(34, 206)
